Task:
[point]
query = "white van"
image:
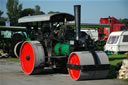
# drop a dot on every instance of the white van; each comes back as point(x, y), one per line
point(93, 32)
point(117, 42)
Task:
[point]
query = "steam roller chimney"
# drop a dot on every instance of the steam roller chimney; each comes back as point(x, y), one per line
point(77, 14)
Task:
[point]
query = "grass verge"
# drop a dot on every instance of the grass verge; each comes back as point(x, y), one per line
point(14, 59)
point(114, 61)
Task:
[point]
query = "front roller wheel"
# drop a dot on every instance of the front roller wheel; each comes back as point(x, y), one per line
point(80, 58)
point(31, 56)
point(88, 65)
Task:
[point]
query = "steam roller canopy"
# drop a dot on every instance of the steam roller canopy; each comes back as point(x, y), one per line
point(31, 57)
point(88, 65)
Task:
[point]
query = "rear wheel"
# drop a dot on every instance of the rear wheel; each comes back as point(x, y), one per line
point(32, 57)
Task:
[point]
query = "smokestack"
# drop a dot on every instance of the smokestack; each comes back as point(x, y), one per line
point(77, 14)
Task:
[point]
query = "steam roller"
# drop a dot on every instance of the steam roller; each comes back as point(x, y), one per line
point(61, 46)
point(81, 65)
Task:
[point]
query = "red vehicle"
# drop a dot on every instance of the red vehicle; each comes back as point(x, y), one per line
point(115, 25)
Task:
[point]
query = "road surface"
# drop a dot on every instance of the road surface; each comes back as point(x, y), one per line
point(11, 74)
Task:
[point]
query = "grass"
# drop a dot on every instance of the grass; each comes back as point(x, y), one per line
point(117, 56)
point(114, 60)
point(14, 59)
point(125, 80)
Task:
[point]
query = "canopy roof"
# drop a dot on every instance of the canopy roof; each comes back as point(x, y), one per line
point(56, 17)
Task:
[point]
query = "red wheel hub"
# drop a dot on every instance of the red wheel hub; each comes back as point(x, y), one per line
point(74, 59)
point(27, 59)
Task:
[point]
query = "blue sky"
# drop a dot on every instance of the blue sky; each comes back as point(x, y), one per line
point(91, 10)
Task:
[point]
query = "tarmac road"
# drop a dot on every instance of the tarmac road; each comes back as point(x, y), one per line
point(11, 74)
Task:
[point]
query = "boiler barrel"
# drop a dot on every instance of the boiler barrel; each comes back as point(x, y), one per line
point(61, 49)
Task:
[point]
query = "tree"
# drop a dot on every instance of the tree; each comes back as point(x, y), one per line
point(13, 11)
point(41, 12)
point(2, 19)
point(124, 21)
point(1, 13)
point(28, 12)
point(37, 10)
point(52, 12)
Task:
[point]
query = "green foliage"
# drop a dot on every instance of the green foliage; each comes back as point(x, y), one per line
point(37, 10)
point(13, 11)
point(124, 21)
point(28, 12)
point(125, 80)
point(112, 72)
point(92, 26)
point(117, 56)
point(41, 12)
point(52, 12)
point(2, 19)
point(100, 44)
point(114, 60)
point(14, 59)
point(1, 13)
